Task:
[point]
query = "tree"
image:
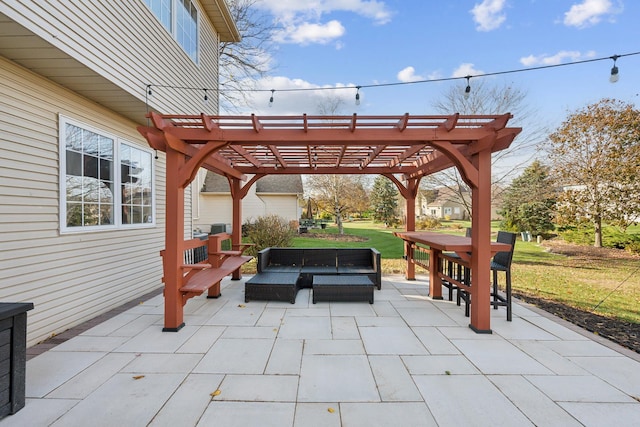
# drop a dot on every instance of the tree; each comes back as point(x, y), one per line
point(595, 157)
point(491, 100)
point(528, 203)
point(242, 64)
point(384, 200)
point(337, 194)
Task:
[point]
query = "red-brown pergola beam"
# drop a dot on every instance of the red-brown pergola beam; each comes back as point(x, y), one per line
point(428, 143)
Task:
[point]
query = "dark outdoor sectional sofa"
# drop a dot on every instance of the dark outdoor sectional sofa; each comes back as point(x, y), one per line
point(283, 271)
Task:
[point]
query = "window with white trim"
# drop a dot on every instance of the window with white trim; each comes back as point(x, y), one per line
point(180, 18)
point(105, 182)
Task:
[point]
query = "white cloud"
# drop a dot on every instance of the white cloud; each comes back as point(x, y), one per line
point(307, 33)
point(302, 99)
point(466, 69)
point(589, 12)
point(558, 58)
point(488, 14)
point(288, 9)
point(408, 74)
point(301, 21)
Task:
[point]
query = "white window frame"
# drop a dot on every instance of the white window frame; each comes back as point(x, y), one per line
point(175, 27)
point(117, 180)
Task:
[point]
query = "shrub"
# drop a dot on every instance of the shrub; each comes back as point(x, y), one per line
point(580, 234)
point(633, 247)
point(268, 231)
point(583, 234)
point(428, 223)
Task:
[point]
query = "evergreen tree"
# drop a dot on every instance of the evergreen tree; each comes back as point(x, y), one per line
point(528, 203)
point(384, 200)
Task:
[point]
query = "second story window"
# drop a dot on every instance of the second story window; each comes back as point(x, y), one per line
point(187, 27)
point(180, 18)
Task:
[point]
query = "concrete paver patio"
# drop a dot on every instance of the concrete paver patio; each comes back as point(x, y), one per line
point(404, 361)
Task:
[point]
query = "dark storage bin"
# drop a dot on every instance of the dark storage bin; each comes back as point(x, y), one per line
point(13, 355)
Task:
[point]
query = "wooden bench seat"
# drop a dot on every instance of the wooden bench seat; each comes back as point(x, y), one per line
point(208, 279)
point(206, 275)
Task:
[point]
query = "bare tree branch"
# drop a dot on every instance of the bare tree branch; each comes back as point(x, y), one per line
point(506, 164)
point(242, 64)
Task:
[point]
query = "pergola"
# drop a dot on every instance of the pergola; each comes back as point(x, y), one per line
point(403, 148)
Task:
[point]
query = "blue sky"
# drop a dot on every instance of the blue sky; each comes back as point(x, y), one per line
point(345, 43)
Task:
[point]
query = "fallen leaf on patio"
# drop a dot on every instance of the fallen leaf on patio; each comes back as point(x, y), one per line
point(216, 393)
point(331, 410)
point(275, 329)
point(447, 372)
point(241, 305)
point(138, 377)
point(636, 398)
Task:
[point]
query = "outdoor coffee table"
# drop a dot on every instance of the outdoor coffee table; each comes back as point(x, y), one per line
point(342, 288)
point(272, 287)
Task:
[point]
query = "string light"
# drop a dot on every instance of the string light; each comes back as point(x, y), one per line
point(614, 77)
point(467, 90)
point(206, 98)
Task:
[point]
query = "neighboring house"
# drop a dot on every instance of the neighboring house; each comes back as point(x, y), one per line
point(82, 194)
point(271, 194)
point(447, 205)
point(444, 203)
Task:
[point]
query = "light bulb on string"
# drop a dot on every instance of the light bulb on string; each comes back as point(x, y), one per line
point(271, 99)
point(614, 77)
point(467, 90)
point(357, 95)
point(206, 97)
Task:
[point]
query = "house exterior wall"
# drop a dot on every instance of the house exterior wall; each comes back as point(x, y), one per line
point(216, 208)
point(284, 205)
point(93, 54)
point(69, 277)
point(124, 43)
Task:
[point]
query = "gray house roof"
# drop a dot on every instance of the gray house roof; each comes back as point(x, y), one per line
point(283, 184)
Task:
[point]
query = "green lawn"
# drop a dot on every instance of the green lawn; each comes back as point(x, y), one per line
point(579, 282)
point(376, 236)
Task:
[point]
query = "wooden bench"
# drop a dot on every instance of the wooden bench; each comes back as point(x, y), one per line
point(200, 275)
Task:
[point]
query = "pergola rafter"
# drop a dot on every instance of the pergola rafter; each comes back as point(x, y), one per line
point(403, 148)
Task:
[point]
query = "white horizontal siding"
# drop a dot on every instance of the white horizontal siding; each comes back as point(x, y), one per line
point(218, 208)
point(72, 277)
point(285, 206)
point(215, 209)
point(123, 42)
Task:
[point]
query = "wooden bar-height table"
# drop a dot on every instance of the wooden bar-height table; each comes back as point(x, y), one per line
point(438, 243)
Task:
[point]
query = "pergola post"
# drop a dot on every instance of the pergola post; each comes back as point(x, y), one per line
point(481, 242)
point(174, 236)
point(410, 226)
point(236, 221)
point(410, 193)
